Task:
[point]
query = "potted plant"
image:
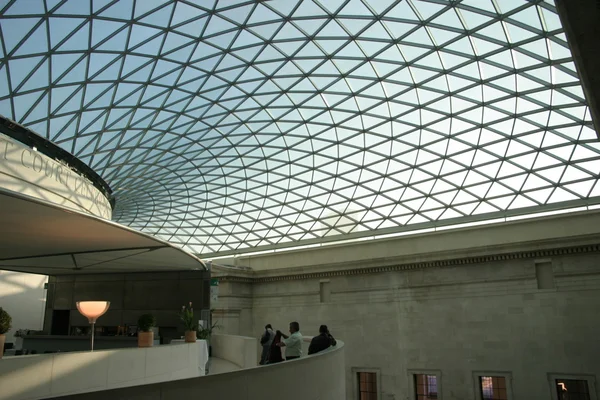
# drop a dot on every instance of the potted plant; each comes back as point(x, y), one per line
point(5, 321)
point(145, 334)
point(19, 335)
point(204, 333)
point(186, 315)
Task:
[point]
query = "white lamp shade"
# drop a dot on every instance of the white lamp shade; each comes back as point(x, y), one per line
point(92, 309)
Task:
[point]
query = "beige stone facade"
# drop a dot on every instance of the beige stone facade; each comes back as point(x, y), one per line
point(520, 299)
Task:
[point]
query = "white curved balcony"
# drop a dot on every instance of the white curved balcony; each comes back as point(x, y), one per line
point(173, 372)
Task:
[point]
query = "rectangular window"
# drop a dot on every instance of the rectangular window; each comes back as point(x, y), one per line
point(572, 389)
point(367, 385)
point(492, 385)
point(544, 274)
point(426, 387)
point(324, 291)
point(493, 388)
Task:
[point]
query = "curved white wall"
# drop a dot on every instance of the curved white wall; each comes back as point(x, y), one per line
point(29, 172)
point(41, 376)
point(240, 350)
point(315, 377)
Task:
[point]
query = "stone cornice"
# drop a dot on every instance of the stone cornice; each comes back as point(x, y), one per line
point(236, 279)
point(532, 254)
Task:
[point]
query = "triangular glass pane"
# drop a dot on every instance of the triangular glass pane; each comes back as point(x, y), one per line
point(36, 42)
point(309, 9)
point(184, 13)
point(14, 30)
point(21, 68)
point(79, 40)
point(192, 28)
point(38, 79)
point(101, 29)
point(74, 7)
point(158, 18)
point(121, 9)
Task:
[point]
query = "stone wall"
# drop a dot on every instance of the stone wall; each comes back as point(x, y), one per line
point(526, 313)
point(233, 310)
point(460, 319)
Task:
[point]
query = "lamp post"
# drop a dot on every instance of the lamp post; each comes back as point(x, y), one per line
point(92, 310)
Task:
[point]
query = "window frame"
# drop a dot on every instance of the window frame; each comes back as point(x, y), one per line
point(411, 380)
point(591, 381)
point(355, 382)
point(504, 374)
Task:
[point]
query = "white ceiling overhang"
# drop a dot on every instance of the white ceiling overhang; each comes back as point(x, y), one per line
point(42, 238)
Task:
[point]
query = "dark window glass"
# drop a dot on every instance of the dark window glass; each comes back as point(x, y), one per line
point(572, 389)
point(493, 388)
point(426, 387)
point(367, 386)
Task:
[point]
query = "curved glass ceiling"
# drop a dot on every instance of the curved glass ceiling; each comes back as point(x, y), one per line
point(240, 125)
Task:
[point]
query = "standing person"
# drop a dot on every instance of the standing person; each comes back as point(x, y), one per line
point(322, 341)
point(266, 340)
point(275, 351)
point(292, 343)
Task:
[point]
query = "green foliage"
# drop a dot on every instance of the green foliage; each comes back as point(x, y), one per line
point(22, 333)
point(204, 333)
point(186, 315)
point(5, 321)
point(146, 322)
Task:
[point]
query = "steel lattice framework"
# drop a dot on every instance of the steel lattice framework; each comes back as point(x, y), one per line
point(229, 126)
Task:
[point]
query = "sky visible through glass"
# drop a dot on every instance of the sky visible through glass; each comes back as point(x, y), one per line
point(236, 126)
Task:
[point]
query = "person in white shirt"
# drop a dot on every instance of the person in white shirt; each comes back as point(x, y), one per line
point(293, 342)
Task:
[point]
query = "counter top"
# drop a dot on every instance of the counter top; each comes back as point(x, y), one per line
point(66, 337)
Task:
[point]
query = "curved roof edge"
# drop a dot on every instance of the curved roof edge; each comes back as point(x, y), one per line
point(43, 238)
point(45, 146)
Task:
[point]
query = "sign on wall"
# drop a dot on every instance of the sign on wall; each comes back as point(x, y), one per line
point(214, 289)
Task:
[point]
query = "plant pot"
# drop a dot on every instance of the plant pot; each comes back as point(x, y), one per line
point(145, 339)
point(190, 336)
point(2, 340)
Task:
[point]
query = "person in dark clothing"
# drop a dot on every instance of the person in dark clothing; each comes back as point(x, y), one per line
point(275, 351)
point(321, 342)
point(266, 340)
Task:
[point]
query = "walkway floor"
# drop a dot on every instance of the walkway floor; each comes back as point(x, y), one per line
point(220, 366)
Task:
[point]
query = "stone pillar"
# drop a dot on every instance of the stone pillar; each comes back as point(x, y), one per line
point(228, 320)
point(232, 309)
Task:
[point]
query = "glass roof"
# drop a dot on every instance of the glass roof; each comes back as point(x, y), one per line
point(231, 126)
